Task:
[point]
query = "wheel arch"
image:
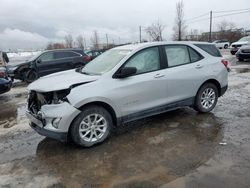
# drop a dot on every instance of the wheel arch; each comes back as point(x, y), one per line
point(106, 106)
point(213, 81)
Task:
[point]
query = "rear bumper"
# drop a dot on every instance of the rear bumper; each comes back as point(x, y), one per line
point(223, 90)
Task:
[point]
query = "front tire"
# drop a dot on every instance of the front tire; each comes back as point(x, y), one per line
point(206, 98)
point(92, 126)
point(30, 76)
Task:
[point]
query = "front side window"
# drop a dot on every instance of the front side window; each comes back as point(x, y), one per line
point(48, 56)
point(145, 61)
point(177, 55)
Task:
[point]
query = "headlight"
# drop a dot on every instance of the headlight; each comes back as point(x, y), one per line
point(60, 96)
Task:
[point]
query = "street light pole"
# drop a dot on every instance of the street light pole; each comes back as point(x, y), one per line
point(140, 33)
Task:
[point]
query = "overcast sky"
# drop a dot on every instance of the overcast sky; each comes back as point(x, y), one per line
point(33, 23)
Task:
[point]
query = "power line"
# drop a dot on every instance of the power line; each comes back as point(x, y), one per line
point(199, 20)
point(231, 14)
point(243, 12)
point(231, 10)
point(197, 17)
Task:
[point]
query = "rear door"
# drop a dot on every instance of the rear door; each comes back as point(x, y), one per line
point(68, 60)
point(185, 72)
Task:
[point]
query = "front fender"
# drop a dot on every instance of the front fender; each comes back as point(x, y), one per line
point(82, 102)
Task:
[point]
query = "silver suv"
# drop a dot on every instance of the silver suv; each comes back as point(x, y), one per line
point(124, 84)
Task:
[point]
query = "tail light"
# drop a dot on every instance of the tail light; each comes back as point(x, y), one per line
point(225, 62)
point(2, 74)
point(87, 58)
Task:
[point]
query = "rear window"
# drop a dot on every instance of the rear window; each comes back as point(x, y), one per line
point(210, 48)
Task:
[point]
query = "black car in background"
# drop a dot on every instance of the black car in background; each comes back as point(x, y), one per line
point(94, 53)
point(48, 62)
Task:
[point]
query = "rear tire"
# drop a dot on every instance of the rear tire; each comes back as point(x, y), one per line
point(206, 98)
point(92, 126)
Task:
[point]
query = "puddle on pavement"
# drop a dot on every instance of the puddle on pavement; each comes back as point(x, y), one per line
point(242, 70)
point(150, 152)
point(11, 113)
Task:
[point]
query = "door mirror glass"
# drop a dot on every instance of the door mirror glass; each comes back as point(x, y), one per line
point(126, 72)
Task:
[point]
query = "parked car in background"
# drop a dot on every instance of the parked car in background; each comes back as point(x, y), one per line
point(94, 53)
point(243, 53)
point(5, 83)
point(236, 45)
point(46, 63)
point(222, 44)
point(3, 72)
point(124, 84)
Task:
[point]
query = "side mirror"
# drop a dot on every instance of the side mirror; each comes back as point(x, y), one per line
point(125, 72)
point(39, 61)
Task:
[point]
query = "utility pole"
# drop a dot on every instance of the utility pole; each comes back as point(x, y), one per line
point(140, 33)
point(85, 45)
point(107, 40)
point(210, 32)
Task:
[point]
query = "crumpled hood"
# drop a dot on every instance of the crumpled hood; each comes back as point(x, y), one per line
point(60, 81)
point(240, 43)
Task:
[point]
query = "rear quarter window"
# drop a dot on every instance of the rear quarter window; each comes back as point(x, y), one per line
point(210, 49)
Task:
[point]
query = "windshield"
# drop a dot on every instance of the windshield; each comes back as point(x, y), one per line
point(247, 39)
point(105, 62)
point(35, 56)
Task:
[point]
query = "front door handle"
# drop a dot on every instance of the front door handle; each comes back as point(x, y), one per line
point(159, 75)
point(198, 66)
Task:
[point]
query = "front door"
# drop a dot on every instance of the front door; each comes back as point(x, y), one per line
point(140, 94)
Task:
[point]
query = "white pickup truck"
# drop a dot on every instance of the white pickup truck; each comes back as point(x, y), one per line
point(222, 44)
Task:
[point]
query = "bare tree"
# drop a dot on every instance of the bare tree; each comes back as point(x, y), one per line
point(225, 25)
point(227, 30)
point(80, 42)
point(68, 41)
point(56, 45)
point(155, 31)
point(95, 40)
point(180, 26)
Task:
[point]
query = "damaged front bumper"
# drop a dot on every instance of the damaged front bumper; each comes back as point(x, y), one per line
point(53, 120)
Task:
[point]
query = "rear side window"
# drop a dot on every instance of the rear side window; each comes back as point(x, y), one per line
point(194, 56)
point(177, 55)
point(60, 55)
point(210, 49)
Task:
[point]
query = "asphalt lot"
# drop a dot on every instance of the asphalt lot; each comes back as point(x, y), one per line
point(181, 148)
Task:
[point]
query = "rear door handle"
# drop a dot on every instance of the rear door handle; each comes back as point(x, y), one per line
point(198, 66)
point(159, 75)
